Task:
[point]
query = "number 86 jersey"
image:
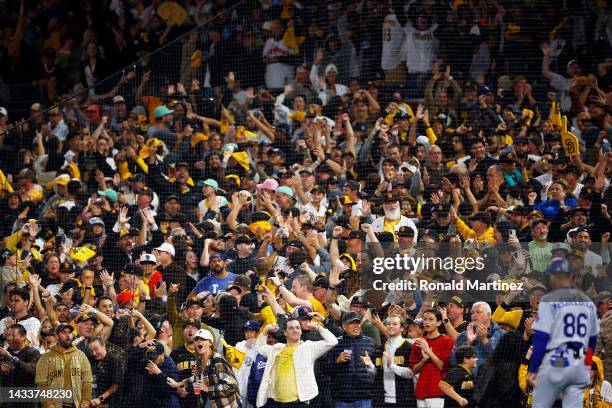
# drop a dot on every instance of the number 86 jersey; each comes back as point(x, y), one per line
point(567, 315)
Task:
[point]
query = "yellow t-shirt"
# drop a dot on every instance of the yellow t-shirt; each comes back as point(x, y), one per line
point(390, 226)
point(268, 317)
point(285, 385)
point(318, 307)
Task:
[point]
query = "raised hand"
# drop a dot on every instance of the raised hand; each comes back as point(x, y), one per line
point(148, 216)
point(319, 56)
point(366, 359)
point(271, 328)
point(366, 208)
point(107, 279)
point(123, 218)
point(420, 112)
point(472, 165)
point(26, 263)
point(334, 277)
point(86, 309)
point(387, 358)
point(471, 335)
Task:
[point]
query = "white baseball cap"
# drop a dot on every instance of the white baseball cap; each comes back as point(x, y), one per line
point(3, 111)
point(204, 334)
point(166, 247)
point(96, 221)
point(148, 258)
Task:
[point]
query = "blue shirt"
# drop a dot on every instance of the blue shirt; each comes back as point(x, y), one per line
point(494, 334)
point(214, 284)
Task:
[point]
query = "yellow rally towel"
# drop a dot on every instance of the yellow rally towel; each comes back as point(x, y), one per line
point(553, 33)
point(290, 40)
point(298, 116)
point(234, 356)
point(92, 292)
point(513, 28)
point(124, 171)
point(264, 225)
point(4, 183)
point(242, 133)
point(198, 137)
point(569, 141)
point(144, 166)
point(512, 318)
point(224, 127)
point(81, 254)
point(74, 169)
point(243, 159)
point(172, 13)
point(234, 177)
point(196, 59)
point(431, 136)
point(528, 114)
point(189, 182)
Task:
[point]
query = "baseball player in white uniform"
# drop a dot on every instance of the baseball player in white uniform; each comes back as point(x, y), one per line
point(565, 334)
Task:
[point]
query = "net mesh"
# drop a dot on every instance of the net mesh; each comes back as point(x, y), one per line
point(470, 136)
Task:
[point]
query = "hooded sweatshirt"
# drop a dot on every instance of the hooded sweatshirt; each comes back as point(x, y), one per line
point(50, 375)
point(599, 394)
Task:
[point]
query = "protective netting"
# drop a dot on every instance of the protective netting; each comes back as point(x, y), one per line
point(179, 179)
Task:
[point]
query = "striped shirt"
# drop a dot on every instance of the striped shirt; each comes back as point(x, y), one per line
point(30, 323)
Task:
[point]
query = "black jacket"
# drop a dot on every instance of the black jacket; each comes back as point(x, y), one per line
point(351, 381)
point(497, 385)
point(21, 375)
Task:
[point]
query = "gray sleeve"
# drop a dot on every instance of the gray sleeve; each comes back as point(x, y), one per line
point(415, 183)
point(559, 82)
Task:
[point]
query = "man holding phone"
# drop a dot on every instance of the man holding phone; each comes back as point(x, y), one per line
point(350, 365)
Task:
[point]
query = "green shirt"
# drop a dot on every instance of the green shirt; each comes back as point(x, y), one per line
point(540, 255)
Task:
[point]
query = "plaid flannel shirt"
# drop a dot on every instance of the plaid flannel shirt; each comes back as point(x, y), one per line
point(219, 383)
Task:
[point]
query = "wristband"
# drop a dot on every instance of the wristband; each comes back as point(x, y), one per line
point(588, 358)
point(101, 398)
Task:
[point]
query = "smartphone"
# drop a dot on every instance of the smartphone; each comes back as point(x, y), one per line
point(513, 232)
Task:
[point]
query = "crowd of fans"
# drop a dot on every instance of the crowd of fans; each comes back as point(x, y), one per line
point(201, 228)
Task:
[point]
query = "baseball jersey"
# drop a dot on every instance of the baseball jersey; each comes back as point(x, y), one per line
point(567, 315)
point(393, 43)
point(420, 48)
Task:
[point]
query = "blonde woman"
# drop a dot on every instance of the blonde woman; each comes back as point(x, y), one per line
point(213, 375)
